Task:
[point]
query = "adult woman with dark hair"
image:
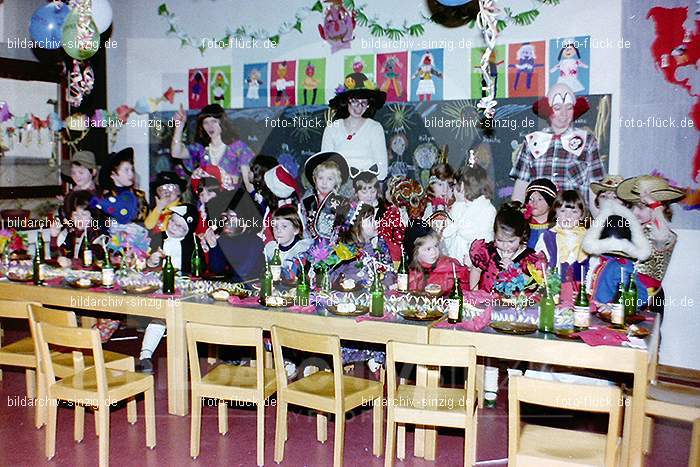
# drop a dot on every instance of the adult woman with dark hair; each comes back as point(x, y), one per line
point(354, 133)
point(217, 149)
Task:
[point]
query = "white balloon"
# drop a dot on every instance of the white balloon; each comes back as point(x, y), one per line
point(102, 14)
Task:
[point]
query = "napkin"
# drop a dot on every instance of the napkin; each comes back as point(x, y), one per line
point(602, 336)
point(308, 309)
point(53, 282)
point(247, 301)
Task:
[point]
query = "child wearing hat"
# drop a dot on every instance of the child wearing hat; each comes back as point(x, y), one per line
point(288, 238)
point(367, 190)
point(168, 188)
point(284, 191)
point(605, 190)
point(407, 203)
point(616, 236)
point(651, 198)
point(81, 170)
point(427, 267)
point(325, 208)
point(539, 197)
point(120, 199)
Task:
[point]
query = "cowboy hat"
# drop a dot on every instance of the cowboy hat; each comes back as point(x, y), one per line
point(608, 183)
point(658, 188)
point(83, 158)
point(357, 86)
point(326, 156)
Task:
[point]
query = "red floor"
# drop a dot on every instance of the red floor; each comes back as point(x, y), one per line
point(21, 444)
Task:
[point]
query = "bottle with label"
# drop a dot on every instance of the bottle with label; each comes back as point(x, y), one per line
point(303, 287)
point(377, 296)
point(107, 271)
point(631, 296)
point(276, 265)
point(196, 261)
point(168, 276)
point(582, 308)
point(265, 284)
point(455, 310)
point(38, 266)
point(42, 247)
point(86, 251)
point(617, 306)
point(402, 274)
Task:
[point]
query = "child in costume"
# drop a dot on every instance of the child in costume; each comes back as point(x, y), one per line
point(562, 243)
point(440, 193)
point(617, 237)
point(288, 231)
point(178, 244)
point(651, 199)
point(325, 208)
point(539, 197)
point(168, 188)
point(426, 264)
point(407, 199)
point(119, 199)
point(509, 247)
point(472, 214)
point(366, 187)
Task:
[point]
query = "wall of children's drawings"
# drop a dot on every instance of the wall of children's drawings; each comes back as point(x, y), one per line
point(415, 132)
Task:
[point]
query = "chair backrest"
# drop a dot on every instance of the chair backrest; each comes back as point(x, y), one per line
point(325, 344)
point(39, 314)
point(581, 397)
point(455, 356)
point(75, 338)
point(224, 335)
point(13, 309)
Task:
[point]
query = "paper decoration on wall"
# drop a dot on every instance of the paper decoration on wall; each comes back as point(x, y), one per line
point(569, 58)
point(676, 51)
point(427, 79)
point(526, 69)
point(311, 77)
point(338, 28)
point(497, 71)
point(282, 90)
point(393, 75)
point(220, 85)
point(359, 64)
point(255, 85)
point(198, 88)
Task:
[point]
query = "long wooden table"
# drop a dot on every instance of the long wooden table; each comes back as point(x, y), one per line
point(202, 309)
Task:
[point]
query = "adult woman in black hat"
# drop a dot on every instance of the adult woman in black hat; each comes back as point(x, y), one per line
point(354, 133)
point(217, 149)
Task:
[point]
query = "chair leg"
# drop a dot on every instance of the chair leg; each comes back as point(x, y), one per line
point(30, 377)
point(97, 423)
point(378, 427)
point(389, 450)
point(694, 458)
point(79, 423)
point(280, 430)
point(131, 411)
point(40, 408)
point(150, 415)
point(648, 435)
point(195, 425)
point(339, 439)
point(475, 430)
point(223, 418)
point(51, 414)
point(261, 433)
point(103, 417)
point(480, 373)
point(322, 427)
point(401, 441)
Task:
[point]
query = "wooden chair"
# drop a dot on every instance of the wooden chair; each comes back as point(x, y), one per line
point(536, 445)
point(19, 353)
point(447, 407)
point(63, 364)
point(325, 391)
point(95, 386)
point(228, 382)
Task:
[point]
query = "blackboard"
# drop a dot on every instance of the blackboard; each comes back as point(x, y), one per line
point(294, 133)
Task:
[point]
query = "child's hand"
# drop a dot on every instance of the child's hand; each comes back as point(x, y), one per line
point(161, 203)
point(506, 263)
point(209, 238)
point(180, 116)
point(64, 262)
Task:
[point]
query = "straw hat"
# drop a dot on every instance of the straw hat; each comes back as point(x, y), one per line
point(609, 183)
point(657, 187)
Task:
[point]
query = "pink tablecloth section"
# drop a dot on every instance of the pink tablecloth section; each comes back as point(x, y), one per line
point(248, 301)
point(476, 324)
point(307, 310)
point(54, 282)
point(602, 336)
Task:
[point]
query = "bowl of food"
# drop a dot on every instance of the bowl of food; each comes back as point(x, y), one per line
point(221, 295)
point(83, 282)
point(141, 288)
point(433, 289)
point(348, 309)
point(421, 314)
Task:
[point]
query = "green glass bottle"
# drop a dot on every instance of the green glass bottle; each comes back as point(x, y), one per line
point(303, 288)
point(547, 312)
point(377, 296)
point(38, 266)
point(617, 306)
point(86, 252)
point(168, 276)
point(455, 310)
point(196, 261)
point(276, 265)
point(631, 296)
point(402, 274)
point(582, 309)
point(265, 284)
point(42, 247)
point(107, 271)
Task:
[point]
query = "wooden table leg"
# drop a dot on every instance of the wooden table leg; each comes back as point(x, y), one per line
point(639, 396)
point(177, 360)
point(431, 433)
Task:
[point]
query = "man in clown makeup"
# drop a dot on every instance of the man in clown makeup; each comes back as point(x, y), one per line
point(565, 155)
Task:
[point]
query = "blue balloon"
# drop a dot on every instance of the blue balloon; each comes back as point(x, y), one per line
point(46, 25)
point(453, 2)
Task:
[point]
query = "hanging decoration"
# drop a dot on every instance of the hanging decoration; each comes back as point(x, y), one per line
point(486, 21)
point(46, 25)
point(338, 28)
point(81, 82)
point(102, 14)
point(524, 18)
point(81, 39)
point(234, 35)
